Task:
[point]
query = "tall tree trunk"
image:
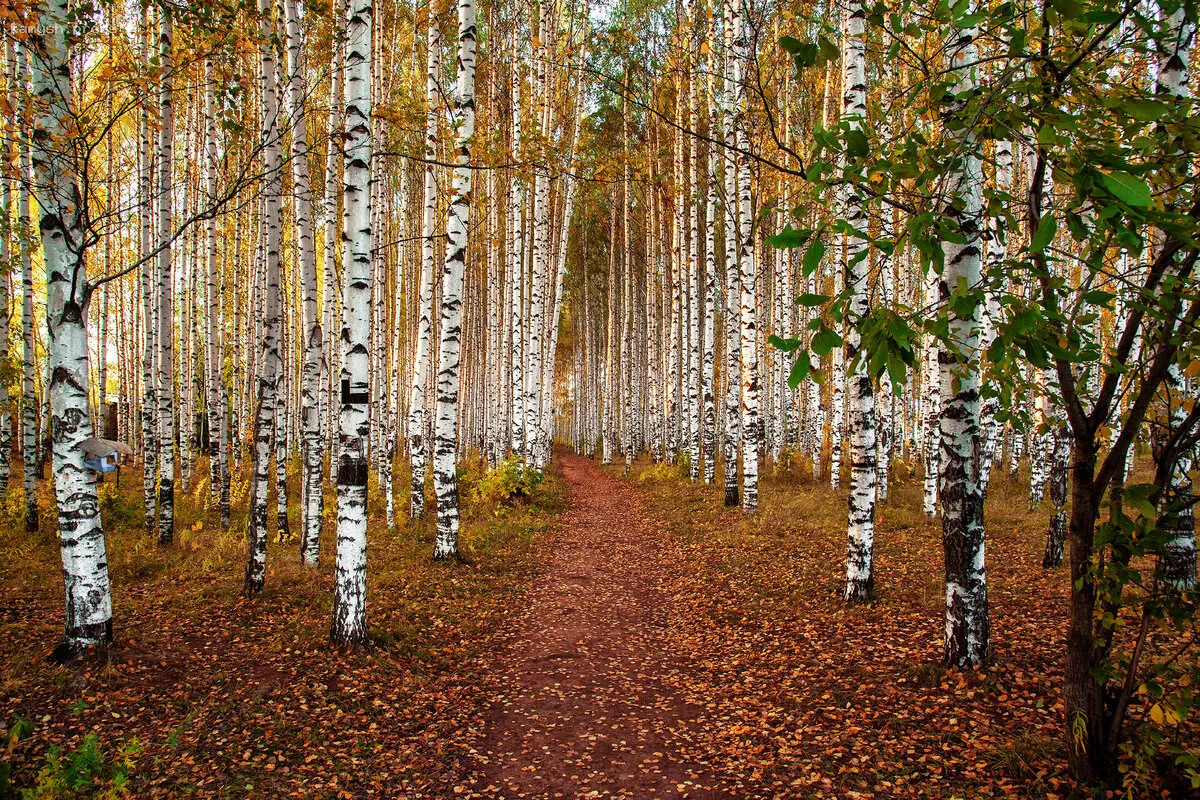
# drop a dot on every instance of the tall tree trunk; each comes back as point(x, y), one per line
point(311, 551)
point(445, 479)
point(349, 626)
point(166, 329)
point(747, 265)
point(270, 362)
point(967, 625)
point(6, 198)
point(860, 563)
point(995, 237)
point(417, 424)
point(733, 416)
point(81, 536)
point(29, 408)
point(215, 400)
point(312, 334)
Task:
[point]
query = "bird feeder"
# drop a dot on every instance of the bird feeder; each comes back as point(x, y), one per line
point(104, 455)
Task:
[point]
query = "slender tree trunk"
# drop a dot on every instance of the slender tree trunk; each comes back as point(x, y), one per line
point(212, 358)
point(312, 334)
point(445, 478)
point(81, 536)
point(995, 237)
point(967, 625)
point(165, 323)
point(860, 563)
point(311, 550)
point(931, 405)
point(29, 407)
point(748, 268)
point(417, 424)
point(349, 626)
point(270, 362)
point(733, 417)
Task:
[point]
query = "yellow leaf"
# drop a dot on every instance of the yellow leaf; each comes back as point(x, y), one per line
point(1156, 713)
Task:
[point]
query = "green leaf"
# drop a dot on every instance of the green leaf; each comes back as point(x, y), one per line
point(812, 257)
point(1046, 135)
point(1099, 297)
point(809, 300)
point(1070, 9)
point(829, 50)
point(788, 238)
point(799, 370)
point(896, 372)
point(1143, 109)
point(786, 345)
point(1101, 16)
point(791, 44)
point(806, 55)
point(1129, 189)
point(856, 144)
point(1044, 234)
point(825, 340)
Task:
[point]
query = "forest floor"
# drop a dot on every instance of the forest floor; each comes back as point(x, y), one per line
point(609, 637)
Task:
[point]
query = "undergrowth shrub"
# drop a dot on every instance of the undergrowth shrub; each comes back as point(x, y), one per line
point(509, 481)
point(662, 471)
point(80, 773)
point(117, 509)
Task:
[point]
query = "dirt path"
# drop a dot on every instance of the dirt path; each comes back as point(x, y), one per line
point(589, 704)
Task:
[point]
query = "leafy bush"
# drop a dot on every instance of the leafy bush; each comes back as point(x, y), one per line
point(662, 471)
point(84, 772)
point(510, 480)
point(20, 729)
point(117, 510)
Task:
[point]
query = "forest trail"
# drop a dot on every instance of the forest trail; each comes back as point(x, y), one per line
point(590, 705)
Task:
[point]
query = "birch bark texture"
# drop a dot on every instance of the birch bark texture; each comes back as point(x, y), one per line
point(313, 335)
point(349, 626)
point(417, 423)
point(270, 363)
point(445, 453)
point(967, 626)
point(165, 390)
point(81, 535)
point(748, 307)
point(860, 572)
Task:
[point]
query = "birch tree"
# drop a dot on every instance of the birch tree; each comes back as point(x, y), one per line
point(860, 573)
point(81, 535)
point(967, 623)
point(270, 366)
point(445, 478)
point(313, 334)
point(349, 626)
point(417, 423)
point(165, 390)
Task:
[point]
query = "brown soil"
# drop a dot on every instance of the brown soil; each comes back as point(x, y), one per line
point(590, 701)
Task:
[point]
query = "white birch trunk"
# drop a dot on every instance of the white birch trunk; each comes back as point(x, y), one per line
point(349, 624)
point(270, 363)
point(995, 239)
point(748, 268)
point(445, 479)
point(733, 280)
point(312, 333)
point(81, 536)
point(29, 408)
point(417, 425)
point(215, 400)
point(860, 556)
point(967, 625)
point(165, 391)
